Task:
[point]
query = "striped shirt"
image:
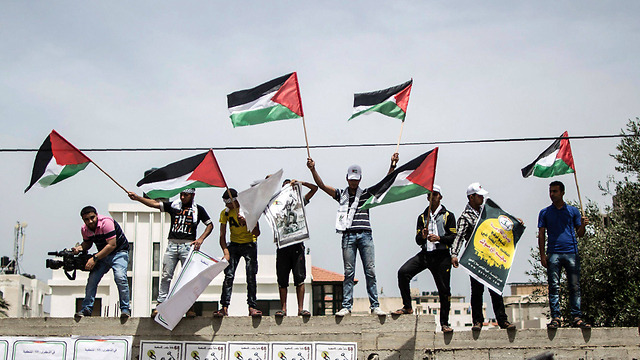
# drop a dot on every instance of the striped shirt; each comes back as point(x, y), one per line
point(466, 224)
point(361, 217)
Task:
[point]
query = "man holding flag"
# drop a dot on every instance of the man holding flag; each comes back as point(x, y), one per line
point(466, 225)
point(353, 223)
point(185, 216)
point(562, 223)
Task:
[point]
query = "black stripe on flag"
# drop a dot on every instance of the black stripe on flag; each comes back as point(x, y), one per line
point(376, 97)
point(241, 97)
point(173, 170)
point(380, 188)
point(43, 158)
point(528, 170)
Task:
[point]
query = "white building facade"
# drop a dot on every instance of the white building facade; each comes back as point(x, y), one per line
point(147, 229)
point(24, 294)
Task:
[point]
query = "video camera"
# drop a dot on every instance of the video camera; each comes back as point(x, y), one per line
point(69, 262)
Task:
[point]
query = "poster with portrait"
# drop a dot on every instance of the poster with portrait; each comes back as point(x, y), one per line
point(205, 351)
point(291, 350)
point(287, 216)
point(490, 251)
point(158, 350)
point(336, 351)
point(248, 350)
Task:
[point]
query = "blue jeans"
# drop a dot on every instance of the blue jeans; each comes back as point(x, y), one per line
point(117, 261)
point(571, 264)
point(352, 243)
point(175, 252)
point(249, 252)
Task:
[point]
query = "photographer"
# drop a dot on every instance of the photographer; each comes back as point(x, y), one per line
point(113, 253)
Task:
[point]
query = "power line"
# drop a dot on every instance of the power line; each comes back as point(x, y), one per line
point(335, 146)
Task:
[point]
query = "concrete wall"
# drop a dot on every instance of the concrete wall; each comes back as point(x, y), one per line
point(404, 337)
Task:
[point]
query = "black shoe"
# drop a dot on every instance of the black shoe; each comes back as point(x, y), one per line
point(82, 313)
point(476, 326)
point(507, 325)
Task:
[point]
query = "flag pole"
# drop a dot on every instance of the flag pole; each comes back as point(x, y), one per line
point(578, 188)
point(304, 126)
point(109, 176)
point(399, 137)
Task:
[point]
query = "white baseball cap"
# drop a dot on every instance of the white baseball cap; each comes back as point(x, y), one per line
point(436, 188)
point(354, 173)
point(476, 188)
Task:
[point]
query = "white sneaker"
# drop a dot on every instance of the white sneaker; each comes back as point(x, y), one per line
point(378, 311)
point(343, 312)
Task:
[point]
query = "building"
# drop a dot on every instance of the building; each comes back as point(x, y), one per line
point(25, 295)
point(527, 305)
point(147, 229)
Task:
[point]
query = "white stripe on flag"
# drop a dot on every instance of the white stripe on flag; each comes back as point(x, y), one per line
point(548, 160)
point(169, 184)
point(400, 180)
point(260, 103)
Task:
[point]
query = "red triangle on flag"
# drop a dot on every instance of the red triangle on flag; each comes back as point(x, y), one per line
point(425, 174)
point(402, 98)
point(64, 152)
point(289, 95)
point(209, 172)
point(565, 151)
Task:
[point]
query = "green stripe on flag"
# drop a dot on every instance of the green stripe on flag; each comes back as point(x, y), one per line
point(397, 193)
point(154, 194)
point(254, 117)
point(388, 108)
point(67, 172)
point(559, 167)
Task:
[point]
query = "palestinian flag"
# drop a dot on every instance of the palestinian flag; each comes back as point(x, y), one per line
point(199, 171)
point(412, 179)
point(278, 99)
point(55, 161)
point(556, 160)
point(391, 102)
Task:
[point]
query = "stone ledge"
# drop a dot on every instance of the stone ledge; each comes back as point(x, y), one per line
point(403, 337)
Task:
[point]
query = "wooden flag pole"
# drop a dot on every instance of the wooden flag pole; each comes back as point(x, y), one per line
point(304, 126)
point(109, 176)
point(578, 188)
point(399, 137)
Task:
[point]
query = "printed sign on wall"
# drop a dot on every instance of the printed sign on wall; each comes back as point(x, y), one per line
point(248, 351)
point(205, 351)
point(160, 350)
point(336, 351)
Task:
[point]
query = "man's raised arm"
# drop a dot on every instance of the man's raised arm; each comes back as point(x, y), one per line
point(149, 202)
point(326, 188)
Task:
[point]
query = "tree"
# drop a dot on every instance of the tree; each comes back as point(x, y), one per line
point(4, 306)
point(610, 250)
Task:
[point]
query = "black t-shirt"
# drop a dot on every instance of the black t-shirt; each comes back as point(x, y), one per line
point(183, 225)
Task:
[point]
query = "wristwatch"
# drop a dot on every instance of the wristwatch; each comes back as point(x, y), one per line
point(95, 258)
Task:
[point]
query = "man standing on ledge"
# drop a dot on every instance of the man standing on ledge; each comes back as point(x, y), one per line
point(353, 223)
point(435, 233)
point(562, 223)
point(185, 216)
point(113, 253)
point(466, 224)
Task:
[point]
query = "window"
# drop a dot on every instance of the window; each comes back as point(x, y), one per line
point(130, 283)
point(268, 307)
point(205, 308)
point(130, 265)
point(327, 298)
point(456, 312)
point(155, 285)
point(97, 306)
point(156, 257)
point(435, 311)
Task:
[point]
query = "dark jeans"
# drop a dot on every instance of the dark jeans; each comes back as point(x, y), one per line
point(249, 252)
point(477, 290)
point(571, 263)
point(439, 263)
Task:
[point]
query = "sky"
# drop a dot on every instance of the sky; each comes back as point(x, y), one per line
point(150, 74)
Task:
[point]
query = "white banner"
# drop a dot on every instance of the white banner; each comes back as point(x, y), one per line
point(255, 199)
point(287, 217)
point(198, 271)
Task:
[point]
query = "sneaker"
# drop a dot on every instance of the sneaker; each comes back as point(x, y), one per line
point(82, 313)
point(476, 326)
point(343, 312)
point(507, 325)
point(378, 311)
point(125, 314)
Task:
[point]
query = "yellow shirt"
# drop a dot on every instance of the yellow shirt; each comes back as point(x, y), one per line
point(238, 234)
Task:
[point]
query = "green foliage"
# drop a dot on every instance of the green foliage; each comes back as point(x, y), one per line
point(610, 249)
point(4, 306)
